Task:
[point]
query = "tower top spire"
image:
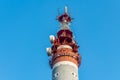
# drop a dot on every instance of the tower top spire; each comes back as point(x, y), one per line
point(66, 9)
point(65, 17)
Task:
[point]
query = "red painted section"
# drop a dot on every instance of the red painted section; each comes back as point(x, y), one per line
point(65, 37)
point(64, 17)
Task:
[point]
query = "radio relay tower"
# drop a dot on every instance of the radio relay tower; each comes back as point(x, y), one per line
point(64, 56)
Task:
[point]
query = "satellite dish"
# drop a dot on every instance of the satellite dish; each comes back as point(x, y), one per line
point(52, 38)
point(49, 51)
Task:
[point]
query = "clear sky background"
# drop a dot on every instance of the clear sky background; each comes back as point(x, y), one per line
point(25, 26)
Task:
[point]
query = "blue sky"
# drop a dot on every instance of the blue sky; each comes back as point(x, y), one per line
point(25, 26)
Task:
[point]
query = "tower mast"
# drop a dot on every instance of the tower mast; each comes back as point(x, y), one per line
point(65, 59)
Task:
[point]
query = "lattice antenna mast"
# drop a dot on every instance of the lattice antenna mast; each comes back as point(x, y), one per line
point(65, 19)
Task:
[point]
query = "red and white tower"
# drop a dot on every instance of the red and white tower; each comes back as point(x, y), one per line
point(64, 56)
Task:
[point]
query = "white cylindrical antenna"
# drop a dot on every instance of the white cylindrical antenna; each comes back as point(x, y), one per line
point(66, 9)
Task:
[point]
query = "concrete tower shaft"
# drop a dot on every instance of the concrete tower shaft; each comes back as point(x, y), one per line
point(65, 58)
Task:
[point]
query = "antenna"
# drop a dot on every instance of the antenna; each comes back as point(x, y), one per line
point(66, 9)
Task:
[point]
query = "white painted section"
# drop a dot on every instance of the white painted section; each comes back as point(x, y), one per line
point(65, 62)
point(64, 46)
point(65, 25)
